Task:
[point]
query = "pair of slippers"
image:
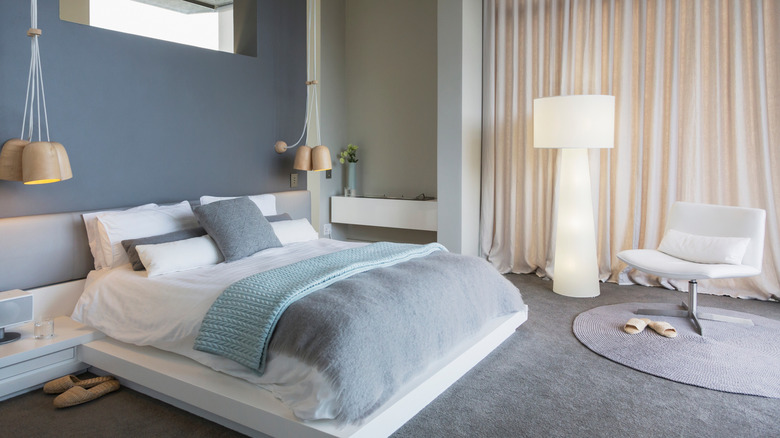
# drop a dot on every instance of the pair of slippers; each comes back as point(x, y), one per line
point(73, 391)
point(663, 328)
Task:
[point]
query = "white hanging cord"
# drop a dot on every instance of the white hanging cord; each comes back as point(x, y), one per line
point(27, 97)
point(42, 90)
point(312, 58)
point(317, 114)
point(305, 120)
point(313, 27)
point(310, 32)
point(315, 88)
point(312, 100)
point(29, 77)
point(35, 92)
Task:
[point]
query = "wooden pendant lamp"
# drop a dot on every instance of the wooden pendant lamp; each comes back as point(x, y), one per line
point(38, 162)
point(320, 158)
point(307, 158)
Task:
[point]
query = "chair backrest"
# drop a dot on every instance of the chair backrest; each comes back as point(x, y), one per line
point(722, 221)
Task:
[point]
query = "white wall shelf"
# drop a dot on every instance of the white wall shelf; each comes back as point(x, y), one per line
point(383, 212)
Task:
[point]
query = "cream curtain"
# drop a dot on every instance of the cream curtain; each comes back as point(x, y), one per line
point(697, 88)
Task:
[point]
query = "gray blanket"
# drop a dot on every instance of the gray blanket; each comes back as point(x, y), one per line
point(241, 321)
point(371, 333)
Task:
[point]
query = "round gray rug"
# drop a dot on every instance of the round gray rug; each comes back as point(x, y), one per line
point(730, 357)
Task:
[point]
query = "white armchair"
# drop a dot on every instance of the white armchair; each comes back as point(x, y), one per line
point(705, 245)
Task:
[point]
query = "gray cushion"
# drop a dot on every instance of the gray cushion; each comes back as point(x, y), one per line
point(130, 244)
point(279, 217)
point(237, 227)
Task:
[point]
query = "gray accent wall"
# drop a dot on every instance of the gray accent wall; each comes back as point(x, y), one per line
point(145, 120)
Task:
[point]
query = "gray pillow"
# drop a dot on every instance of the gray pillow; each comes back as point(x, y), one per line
point(130, 244)
point(279, 217)
point(237, 227)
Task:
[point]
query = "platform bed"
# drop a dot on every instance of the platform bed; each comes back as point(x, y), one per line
point(254, 411)
point(221, 398)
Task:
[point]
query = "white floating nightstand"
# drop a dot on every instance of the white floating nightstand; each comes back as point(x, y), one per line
point(384, 212)
point(29, 362)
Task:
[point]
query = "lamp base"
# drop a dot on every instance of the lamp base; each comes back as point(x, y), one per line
point(575, 270)
point(576, 291)
point(6, 337)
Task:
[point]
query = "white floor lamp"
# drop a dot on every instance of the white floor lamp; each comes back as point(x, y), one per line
point(575, 124)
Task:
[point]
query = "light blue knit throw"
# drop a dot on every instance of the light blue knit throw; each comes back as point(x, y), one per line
point(239, 324)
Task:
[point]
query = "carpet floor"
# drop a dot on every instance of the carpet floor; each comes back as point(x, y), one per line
point(541, 382)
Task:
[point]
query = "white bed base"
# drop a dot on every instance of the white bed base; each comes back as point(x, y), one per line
point(253, 411)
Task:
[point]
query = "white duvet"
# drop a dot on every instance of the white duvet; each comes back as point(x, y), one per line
point(166, 311)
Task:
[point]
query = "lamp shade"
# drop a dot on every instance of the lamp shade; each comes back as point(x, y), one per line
point(40, 162)
point(581, 121)
point(45, 162)
point(11, 159)
point(302, 158)
point(320, 158)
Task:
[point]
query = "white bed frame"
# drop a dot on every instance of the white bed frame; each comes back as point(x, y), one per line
point(246, 408)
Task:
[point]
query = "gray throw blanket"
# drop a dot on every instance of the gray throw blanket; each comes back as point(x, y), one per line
point(239, 324)
point(371, 333)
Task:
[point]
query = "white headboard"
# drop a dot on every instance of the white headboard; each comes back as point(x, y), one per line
point(47, 249)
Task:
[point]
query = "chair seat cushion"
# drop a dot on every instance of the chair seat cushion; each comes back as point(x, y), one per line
point(663, 265)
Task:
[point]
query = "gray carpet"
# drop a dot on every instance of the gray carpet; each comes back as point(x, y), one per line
point(541, 382)
point(730, 357)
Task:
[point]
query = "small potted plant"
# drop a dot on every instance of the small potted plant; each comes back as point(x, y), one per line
point(349, 156)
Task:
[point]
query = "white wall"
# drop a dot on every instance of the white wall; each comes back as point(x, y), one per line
point(403, 80)
point(459, 123)
point(391, 94)
point(379, 92)
point(333, 118)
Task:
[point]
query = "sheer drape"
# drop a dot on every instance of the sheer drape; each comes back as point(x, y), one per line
point(697, 87)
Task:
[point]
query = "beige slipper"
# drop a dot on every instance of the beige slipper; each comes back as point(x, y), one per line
point(78, 395)
point(636, 325)
point(663, 328)
point(64, 383)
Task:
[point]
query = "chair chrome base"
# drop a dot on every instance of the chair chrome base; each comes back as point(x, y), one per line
point(690, 310)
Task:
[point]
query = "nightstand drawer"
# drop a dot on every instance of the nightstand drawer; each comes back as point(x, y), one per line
point(37, 363)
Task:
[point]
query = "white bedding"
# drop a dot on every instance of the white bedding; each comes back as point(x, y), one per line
point(166, 312)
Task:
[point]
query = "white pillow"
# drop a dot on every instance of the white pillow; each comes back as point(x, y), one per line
point(93, 236)
point(114, 228)
point(704, 249)
point(298, 230)
point(266, 203)
point(181, 255)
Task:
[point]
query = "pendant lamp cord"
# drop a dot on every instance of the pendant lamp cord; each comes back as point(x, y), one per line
point(312, 98)
point(35, 92)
